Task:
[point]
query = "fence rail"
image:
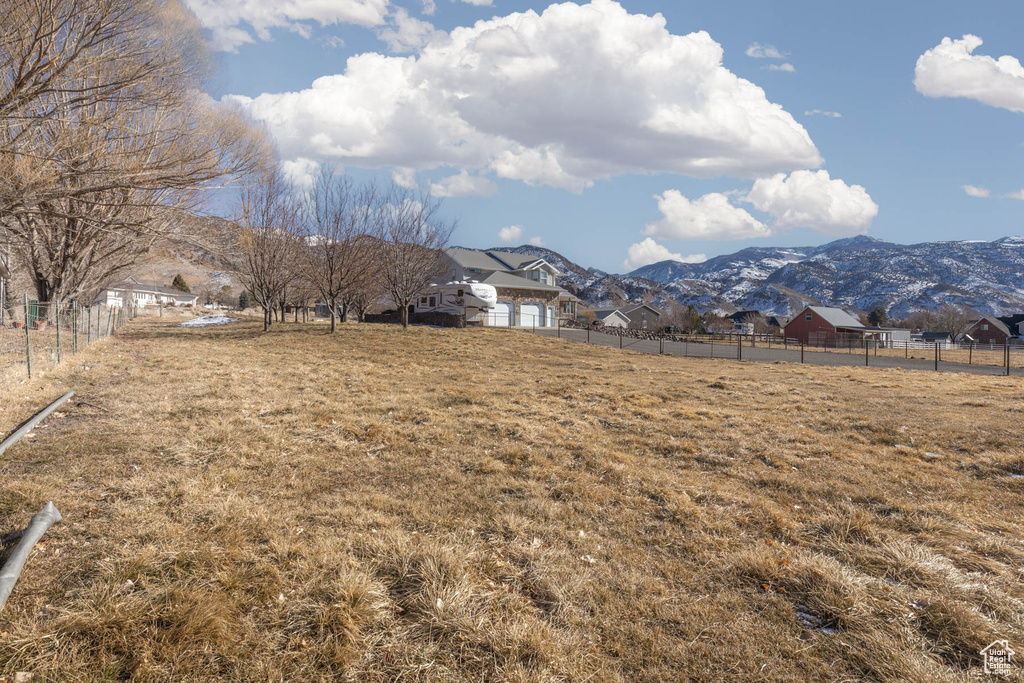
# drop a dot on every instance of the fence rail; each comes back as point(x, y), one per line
point(1005, 360)
point(38, 335)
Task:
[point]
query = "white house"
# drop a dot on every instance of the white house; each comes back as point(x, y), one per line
point(134, 292)
point(526, 286)
point(611, 317)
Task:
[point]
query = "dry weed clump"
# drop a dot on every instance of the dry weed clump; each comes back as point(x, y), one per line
point(446, 505)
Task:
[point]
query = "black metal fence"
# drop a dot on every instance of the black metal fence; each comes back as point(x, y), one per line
point(747, 348)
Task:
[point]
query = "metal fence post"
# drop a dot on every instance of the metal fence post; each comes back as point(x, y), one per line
point(620, 340)
point(588, 335)
point(661, 345)
point(739, 347)
point(1006, 348)
point(74, 327)
point(28, 343)
point(801, 350)
point(970, 354)
point(56, 322)
point(865, 351)
point(936, 356)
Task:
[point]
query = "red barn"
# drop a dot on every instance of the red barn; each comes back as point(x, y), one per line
point(831, 327)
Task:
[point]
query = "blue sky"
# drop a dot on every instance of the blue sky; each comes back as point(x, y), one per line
point(612, 136)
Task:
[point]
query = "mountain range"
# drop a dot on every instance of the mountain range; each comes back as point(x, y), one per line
point(858, 274)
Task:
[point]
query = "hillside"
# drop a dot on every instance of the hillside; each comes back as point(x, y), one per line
point(862, 274)
point(453, 505)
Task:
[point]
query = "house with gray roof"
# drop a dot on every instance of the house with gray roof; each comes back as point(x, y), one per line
point(833, 327)
point(527, 286)
point(639, 316)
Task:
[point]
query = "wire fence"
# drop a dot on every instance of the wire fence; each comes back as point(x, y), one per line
point(38, 335)
point(1000, 360)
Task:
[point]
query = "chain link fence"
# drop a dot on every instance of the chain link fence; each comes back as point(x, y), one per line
point(38, 335)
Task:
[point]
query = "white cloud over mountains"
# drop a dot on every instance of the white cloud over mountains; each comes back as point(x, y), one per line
point(973, 191)
point(811, 199)
point(951, 69)
point(511, 234)
point(563, 98)
point(648, 251)
point(711, 217)
point(804, 199)
point(230, 21)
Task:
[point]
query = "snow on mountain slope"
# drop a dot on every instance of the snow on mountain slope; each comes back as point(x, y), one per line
point(859, 273)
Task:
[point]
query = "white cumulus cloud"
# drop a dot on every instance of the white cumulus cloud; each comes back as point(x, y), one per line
point(758, 51)
point(537, 241)
point(511, 234)
point(405, 177)
point(822, 112)
point(976, 191)
point(563, 98)
point(406, 33)
point(785, 66)
point(463, 185)
point(710, 217)
point(479, 3)
point(301, 172)
point(811, 199)
point(648, 251)
point(1019, 194)
point(951, 69)
point(227, 19)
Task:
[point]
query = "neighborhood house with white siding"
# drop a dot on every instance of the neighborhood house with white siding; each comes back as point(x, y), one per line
point(527, 288)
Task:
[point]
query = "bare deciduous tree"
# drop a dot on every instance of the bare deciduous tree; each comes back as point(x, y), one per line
point(105, 137)
point(339, 220)
point(268, 245)
point(411, 237)
point(954, 319)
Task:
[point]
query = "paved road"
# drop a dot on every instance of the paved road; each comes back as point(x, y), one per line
point(759, 353)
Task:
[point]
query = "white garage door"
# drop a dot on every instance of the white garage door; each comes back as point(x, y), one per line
point(532, 315)
point(500, 315)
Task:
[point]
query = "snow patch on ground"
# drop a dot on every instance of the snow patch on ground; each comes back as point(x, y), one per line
point(209, 320)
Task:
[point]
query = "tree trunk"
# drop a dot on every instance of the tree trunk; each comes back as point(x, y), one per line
point(334, 316)
point(344, 312)
point(266, 319)
point(296, 314)
point(405, 316)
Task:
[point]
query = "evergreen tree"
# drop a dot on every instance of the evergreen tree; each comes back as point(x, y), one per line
point(243, 300)
point(179, 283)
point(878, 317)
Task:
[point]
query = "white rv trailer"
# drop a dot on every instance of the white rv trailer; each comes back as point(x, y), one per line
point(461, 297)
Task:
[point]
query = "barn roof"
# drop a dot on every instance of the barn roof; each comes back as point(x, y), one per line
point(837, 317)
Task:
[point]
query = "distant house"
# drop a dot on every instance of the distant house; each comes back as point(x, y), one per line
point(610, 317)
point(943, 338)
point(133, 292)
point(640, 316)
point(527, 286)
point(988, 330)
point(832, 327)
point(1014, 323)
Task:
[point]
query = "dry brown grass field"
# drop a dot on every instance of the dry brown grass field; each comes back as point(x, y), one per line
point(447, 505)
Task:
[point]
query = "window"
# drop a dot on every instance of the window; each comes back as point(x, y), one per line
point(984, 328)
point(433, 301)
point(543, 276)
point(460, 293)
point(423, 301)
point(809, 316)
